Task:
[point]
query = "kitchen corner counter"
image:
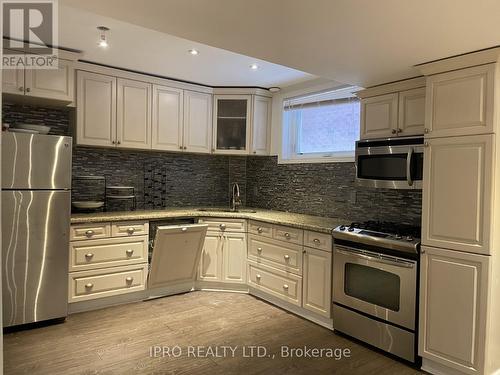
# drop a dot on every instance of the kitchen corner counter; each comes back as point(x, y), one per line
point(301, 221)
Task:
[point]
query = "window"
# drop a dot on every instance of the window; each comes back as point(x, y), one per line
point(321, 127)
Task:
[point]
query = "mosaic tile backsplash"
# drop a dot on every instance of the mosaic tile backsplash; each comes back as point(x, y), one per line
point(162, 179)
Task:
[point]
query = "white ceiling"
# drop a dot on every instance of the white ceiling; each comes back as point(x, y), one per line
point(362, 42)
point(146, 50)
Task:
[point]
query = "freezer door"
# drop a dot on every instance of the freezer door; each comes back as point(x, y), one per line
point(35, 246)
point(176, 254)
point(32, 161)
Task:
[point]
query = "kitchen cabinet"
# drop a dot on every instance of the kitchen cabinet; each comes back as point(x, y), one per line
point(211, 261)
point(394, 114)
point(261, 125)
point(232, 124)
point(54, 84)
point(457, 193)
point(167, 118)
point(234, 258)
point(96, 109)
point(317, 277)
point(461, 102)
point(133, 120)
point(453, 305)
point(197, 131)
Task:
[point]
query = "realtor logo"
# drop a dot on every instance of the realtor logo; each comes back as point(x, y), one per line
point(29, 32)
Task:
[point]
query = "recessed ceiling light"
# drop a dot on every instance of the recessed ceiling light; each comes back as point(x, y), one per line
point(274, 89)
point(193, 52)
point(103, 42)
point(254, 67)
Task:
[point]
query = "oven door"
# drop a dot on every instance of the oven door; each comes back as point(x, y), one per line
point(390, 167)
point(379, 285)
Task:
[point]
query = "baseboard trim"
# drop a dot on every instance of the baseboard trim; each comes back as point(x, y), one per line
point(215, 286)
point(436, 368)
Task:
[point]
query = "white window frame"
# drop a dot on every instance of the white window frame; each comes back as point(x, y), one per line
point(289, 136)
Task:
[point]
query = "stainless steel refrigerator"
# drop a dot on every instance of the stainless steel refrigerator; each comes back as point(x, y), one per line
point(36, 205)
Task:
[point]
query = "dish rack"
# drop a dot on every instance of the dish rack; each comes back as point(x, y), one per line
point(121, 193)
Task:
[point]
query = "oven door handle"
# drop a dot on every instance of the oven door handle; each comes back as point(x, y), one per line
point(408, 166)
point(382, 259)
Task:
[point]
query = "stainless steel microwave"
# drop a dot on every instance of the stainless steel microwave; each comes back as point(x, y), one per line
point(392, 163)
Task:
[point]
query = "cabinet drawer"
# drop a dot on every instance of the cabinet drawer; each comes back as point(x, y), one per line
point(87, 285)
point(108, 252)
point(287, 257)
point(317, 240)
point(288, 234)
point(260, 228)
point(129, 228)
point(278, 283)
point(89, 231)
point(224, 225)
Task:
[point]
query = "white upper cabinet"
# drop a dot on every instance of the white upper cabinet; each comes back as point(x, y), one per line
point(379, 116)
point(96, 109)
point(57, 84)
point(13, 81)
point(232, 115)
point(453, 305)
point(461, 102)
point(197, 133)
point(167, 118)
point(317, 289)
point(261, 125)
point(411, 117)
point(133, 114)
point(457, 193)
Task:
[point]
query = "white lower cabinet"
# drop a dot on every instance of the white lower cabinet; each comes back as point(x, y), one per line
point(317, 288)
point(210, 261)
point(453, 305)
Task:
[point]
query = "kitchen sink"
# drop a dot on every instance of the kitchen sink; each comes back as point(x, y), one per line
point(242, 210)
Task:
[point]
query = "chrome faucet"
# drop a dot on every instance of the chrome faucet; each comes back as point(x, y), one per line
point(235, 197)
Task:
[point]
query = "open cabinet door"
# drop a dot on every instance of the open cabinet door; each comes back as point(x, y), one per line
point(176, 254)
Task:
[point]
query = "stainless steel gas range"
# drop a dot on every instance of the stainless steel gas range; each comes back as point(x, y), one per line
point(375, 278)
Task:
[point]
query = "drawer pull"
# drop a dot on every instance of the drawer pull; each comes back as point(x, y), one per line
point(258, 277)
point(316, 241)
point(222, 226)
point(287, 235)
point(129, 279)
point(89, 233)
point(259, 229)
point(285, 287)
point(130, 230)
point(89, 286)
point(129, 252)
point(287, 257)
point(184, 229)
point(89, 256)
point(259, 249)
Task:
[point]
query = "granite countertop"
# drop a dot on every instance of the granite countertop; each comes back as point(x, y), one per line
point(301, 221)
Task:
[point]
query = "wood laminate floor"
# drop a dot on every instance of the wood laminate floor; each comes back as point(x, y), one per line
point(118, 340)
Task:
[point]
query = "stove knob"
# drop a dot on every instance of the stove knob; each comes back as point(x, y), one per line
point(409, 238)
point(342, 227)
point(350, 229)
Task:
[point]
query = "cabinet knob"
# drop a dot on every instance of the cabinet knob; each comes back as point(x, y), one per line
point(259, 249)
point(285, 286)
point(316, 241)
point(222, 226)
point(21, 88)
point(89, 256)
point(129, 279)
point(426, 130)
point(393, 131)
point(180, 147)
point(255, 152)
point(129, 252)
point(426, 144)
point(89, 233)
point(118, 143)
point(89, 286)
point(113, 142)
point(287, 235)
point(399, 131)
point(258, 277)
point(184, 229)
point(287, 257)
point(259, 230)
point(185, 147)
point(130, 230)
point(28, 89)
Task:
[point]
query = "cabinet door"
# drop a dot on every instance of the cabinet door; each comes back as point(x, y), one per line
point(317, 295)
point(453, 293)
point(457, 193)
point(261, 125)
point(411, 112)
point(55, 84)
point(232, 124)
point(234, 258)
point(460, 102)
point(167, 118)
point(13, 81)
point(379, 116)
point(210, 261)
point(133, 114)
point(96, 109)
point(197, 122)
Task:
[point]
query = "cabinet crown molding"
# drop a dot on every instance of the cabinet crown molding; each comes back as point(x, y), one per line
point(390, 88)
point(486, 56)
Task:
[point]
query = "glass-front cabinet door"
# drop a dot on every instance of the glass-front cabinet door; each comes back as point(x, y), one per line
point(232, 124)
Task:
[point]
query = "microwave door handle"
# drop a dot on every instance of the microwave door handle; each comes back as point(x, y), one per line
point(408, 166)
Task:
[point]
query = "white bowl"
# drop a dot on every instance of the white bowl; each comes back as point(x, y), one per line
point(88, 204)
